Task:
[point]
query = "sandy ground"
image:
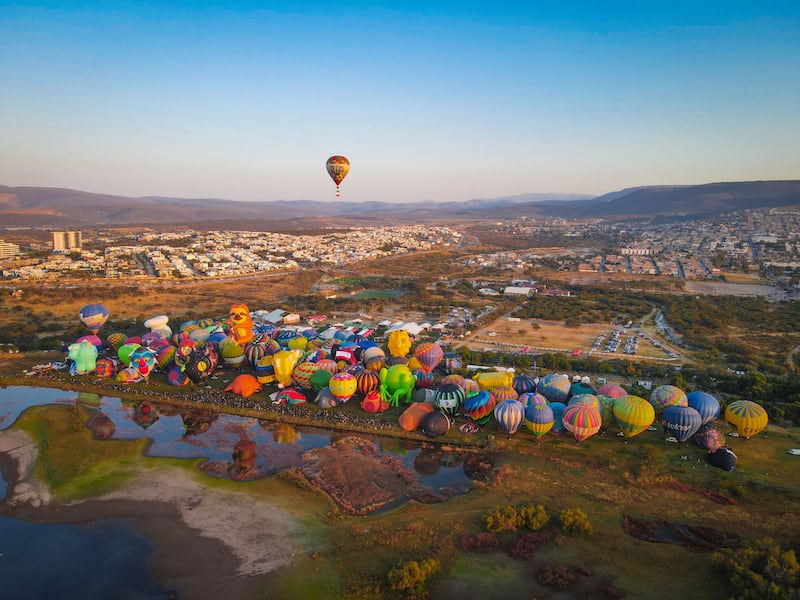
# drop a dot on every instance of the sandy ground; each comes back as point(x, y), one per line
point(207, 540)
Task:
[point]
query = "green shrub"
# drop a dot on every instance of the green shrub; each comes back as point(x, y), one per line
point(575, 521)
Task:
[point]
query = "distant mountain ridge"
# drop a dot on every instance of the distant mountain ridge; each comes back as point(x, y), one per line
point(60, 208)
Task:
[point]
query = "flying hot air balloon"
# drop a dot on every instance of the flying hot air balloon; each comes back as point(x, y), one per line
point(338, 167)
point(93, 316)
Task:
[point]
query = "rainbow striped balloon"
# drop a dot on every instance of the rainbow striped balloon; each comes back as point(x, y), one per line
point(582, 420)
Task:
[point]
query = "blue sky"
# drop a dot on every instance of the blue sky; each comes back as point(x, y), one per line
point(454, 101)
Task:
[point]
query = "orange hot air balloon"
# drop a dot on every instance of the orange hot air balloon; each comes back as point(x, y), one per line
point(338, 167)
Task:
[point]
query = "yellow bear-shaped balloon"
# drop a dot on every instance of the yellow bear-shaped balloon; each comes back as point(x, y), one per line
point(240, 325)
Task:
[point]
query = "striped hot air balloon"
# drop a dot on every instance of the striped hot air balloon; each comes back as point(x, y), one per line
point(582, 420)
point(449, 398)
point(367, 381)
point(633, 414)
point(470, 386)
point(480, 406)
point(509, 414)
point(429, 355)
point(503, 392)
point(302, 374)
point(746, 418)
point(524, 384)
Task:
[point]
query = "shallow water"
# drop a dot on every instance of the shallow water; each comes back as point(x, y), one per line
point(233, 447)
point(102, 559)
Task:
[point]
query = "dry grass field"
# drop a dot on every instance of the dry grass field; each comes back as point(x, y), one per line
point(554, 336)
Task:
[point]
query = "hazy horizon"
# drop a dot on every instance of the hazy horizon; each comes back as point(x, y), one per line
point(452, 102)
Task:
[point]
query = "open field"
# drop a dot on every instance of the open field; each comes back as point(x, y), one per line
point(554, 336)
point(748, 287)
point(328, 554)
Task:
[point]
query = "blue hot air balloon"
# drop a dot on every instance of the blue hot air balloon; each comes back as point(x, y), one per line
point(93, 316)
point(681, 422)
point(558, 409)
point(704, 403)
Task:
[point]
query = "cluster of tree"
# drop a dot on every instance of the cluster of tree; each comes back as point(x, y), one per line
point(589, 305)
point(764, 571)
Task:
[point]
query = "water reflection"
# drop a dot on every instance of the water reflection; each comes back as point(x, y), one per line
point(233, 447)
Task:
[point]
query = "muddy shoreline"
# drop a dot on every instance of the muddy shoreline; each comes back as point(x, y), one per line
point(208, 543)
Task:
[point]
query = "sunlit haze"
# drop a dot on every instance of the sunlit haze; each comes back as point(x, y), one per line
point(447, 102)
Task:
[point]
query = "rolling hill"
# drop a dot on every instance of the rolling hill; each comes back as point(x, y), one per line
point(41, 207)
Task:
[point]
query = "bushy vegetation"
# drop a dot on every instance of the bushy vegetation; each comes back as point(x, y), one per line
point(412, 576)
point(764, 571)
point(574, 521)
point(511, 518)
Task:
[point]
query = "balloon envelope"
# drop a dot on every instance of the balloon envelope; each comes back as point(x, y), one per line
point(554, 387)
point(509, 414)
point(338, 167)
point(539, 419)
point(681, 422)
point(667, 395)
point(582, 420)
point(93, 316)
point(746, 418)
point(633, 414)
point(705, 404)
point(723, 458)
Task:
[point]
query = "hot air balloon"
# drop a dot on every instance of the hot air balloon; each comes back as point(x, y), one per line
point(585, 399)
point(429, 355)
point(479, 406)
point(746, 418)
point(723, 458)
point(435, 424)
point(582, 420)
point(449, 398)
point(611, 389)
point(93, 316)
point(531, 398)
point(554, 387)
point(343, 385)
point(509, 414)
point(606, 410)
point(539, 419)
point(704, 403)
point(338, 167)
point(284, 363)
point(633, 414)
point(710, 436)
point(681, 422)
point(524, 384)
point(667, 395)
point(558, 409)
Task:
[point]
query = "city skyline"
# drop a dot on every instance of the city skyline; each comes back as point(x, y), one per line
point(444, 103)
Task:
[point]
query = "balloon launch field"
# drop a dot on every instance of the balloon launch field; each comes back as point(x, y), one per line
point(656, 509)
point(554, 336)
